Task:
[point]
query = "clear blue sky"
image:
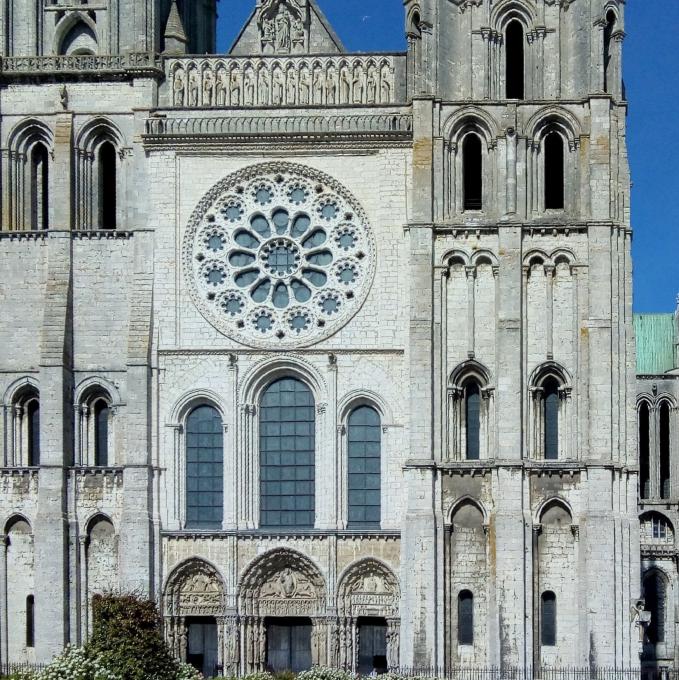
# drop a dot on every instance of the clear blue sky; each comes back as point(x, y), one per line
point(652, 81)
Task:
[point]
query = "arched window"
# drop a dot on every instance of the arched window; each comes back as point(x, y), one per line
point(472, 413)
point(465, 618)
point(664, 448)
point(39, 187)
point(554, 172)
point(33, 431)
point(30, 621)
point(107, 188)
point(608, 56)
point(514, 55)
point(287, 447)
point(654, 595)
point(644, 450)
point(101, 415)
point(204, 469)
point(548, 619)
point(364, 453)
point(551, 418)
point(472, 172)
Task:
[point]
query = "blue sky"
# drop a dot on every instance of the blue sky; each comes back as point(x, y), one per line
point(652, 80)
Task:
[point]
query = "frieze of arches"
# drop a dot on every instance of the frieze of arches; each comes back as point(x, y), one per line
point(270, 81)
point(369, 588)
point(282, 583)
point(194, 589)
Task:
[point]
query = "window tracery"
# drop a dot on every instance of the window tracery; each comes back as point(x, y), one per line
point(279, 255)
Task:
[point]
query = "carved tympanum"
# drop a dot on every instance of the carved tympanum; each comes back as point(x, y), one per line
point(194, 589)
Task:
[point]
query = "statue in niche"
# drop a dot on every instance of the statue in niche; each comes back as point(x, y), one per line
point(235, 88)
point(331, 86)
point(249, 87)
point(277, 87)
point(371, 86)
point(264, 86)
point(282, 30)
point(358, 84)
point(268, 31)
point(298, 33)
point(178, 87)
point(345, 85)
point(291, 90)
point(194, 86)
point(386, 84)
point(318, 85)
point(208, 82)
point(304, 86)
point(221, 85)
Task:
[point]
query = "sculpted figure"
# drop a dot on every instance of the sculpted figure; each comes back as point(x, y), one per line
point(345, 85)
point(386, 84)
point(208, 83)
point(221, 85)
point(371, 88)
point(249, 87)
point(193, 88)
point(288, 583)
point(264, 86)
point(298, 33)
point(304, 87)
point(291, 89)
point(331, 86)
point(277, 87)
point(358, 85)
point(268, 31)
point(235, 88)
point(318, 86)
point(178, 87)
point(283, 32)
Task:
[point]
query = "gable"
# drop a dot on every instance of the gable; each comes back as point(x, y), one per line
point(287, 27)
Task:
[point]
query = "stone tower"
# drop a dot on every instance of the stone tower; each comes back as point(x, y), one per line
point(520, 262)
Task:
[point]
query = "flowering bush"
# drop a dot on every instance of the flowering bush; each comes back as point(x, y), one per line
point(186, 671)
point(76, 664)
point(321, 673)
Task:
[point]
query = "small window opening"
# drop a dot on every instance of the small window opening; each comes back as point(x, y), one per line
point(107, 186)
point(664, 437)
point(548, 632)
point(472, 405)
point(101, 415)
point(608, 54)
point(465, 618)
point(30, 621)
point(33, 432)
point(554, 172)
point(551, 418)
point(472, 171)
point(515, 60)
point(39, 188)
point(644, 451)
point(659, 528)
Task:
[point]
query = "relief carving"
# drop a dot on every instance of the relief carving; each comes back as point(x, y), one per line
point(195, 589)
point(282, 27)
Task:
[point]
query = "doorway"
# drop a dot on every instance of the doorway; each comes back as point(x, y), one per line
point(372, 646)
point(202, 646)
point(288, 645)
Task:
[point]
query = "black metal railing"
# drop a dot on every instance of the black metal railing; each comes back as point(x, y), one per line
point(546, 673)
point(8, 669)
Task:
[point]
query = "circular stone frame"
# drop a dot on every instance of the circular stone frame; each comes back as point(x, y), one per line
point(277, 207)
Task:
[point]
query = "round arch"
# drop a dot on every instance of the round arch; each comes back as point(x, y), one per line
point(471, 119)
point(357, 398)
point(193, 399)
point(195, 587)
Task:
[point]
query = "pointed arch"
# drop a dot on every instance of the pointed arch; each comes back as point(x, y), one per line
point(553, 503)
point(79, 30)
point(467, 501)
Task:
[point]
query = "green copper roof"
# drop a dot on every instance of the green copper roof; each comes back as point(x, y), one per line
point(655, 343)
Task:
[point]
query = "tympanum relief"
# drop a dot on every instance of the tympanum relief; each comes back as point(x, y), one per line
point(283, 27)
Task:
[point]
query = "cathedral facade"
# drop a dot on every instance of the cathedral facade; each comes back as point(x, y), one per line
point(331, 354)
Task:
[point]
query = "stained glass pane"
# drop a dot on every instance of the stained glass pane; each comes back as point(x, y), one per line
point(473, 420)
point(204, 469)
point(364, 452)
point(287, 456)
point(551, 416)
point(548, 619)
point(465, 618)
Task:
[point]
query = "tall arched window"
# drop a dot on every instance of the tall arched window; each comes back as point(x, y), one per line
point(204, 469)
point(472, 172)
point(472, 415)
point(33, 431)
point(664, 448)
point(287, 449)
point(654, 595)
point(107, 188)
point(364, 454)
point(39, 187)
point(514, 56)
point(30, 621)
point(644, 450)
point(608, 55)
point(465, 618)
point(554, 172)
point(548, 619)
point(551, 418)
point(101, 415)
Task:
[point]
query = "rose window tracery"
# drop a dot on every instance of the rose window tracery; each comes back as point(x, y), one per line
point(279, 255)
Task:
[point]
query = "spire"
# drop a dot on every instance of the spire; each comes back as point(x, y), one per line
point(175, 36)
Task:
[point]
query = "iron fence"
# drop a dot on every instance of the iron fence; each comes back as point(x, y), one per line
point(546, 673)
point(12, 668)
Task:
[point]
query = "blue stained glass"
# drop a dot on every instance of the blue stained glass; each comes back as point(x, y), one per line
point(261, 292)
point(215, 243)
point(215, 276)
point(246, 278)
point(329, 211)
point(299, 322)
point(241, 259)
point(281, 298)
point(233, 212)
point(314, 277)
point(347, 241)
point(263, 196)
point(287, 460)
point(233, 307)
point(302, 293)
point(281, 220)
point(264, 323)
point(364, 430)
point(204, 469)
point(473, 420)
point(330, 305)
point(298, 195)
point(261, 225)
point(551, 419)
point(315, 239)
point(347, 275)
point(300, 225)
point(246, 240)
point(282, 260)
point(33, 417)
point(323, 258)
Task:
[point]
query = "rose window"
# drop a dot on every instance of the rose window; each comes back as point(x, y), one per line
point(279, 255)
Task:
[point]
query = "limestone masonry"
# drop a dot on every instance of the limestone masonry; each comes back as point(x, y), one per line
point(331, 354)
